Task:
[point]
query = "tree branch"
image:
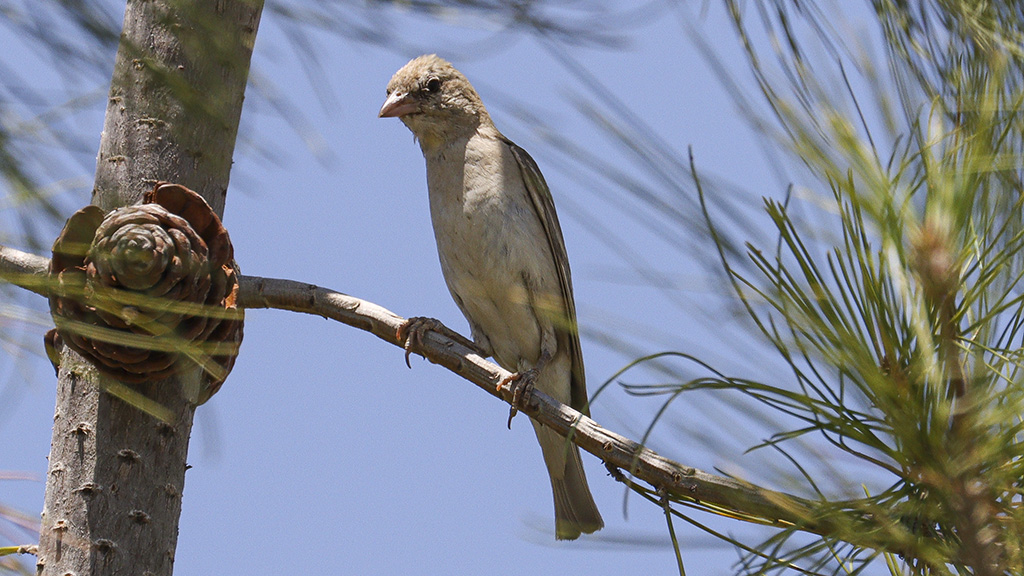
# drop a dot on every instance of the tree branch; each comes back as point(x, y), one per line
point(705, 491)
point(25, 270)
point(716, 494)
point(709, 492)
point(684, 482)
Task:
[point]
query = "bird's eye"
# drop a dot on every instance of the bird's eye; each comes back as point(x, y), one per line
point(434, 84)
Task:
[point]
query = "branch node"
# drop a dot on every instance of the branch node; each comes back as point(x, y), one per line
point(139, 516)
point(89, 489)
point(128, 455)
point(311, 289)
point(104, 545)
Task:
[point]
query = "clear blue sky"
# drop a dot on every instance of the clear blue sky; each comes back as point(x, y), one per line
point(323, 453)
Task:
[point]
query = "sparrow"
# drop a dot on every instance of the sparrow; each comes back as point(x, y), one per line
point(503, 257)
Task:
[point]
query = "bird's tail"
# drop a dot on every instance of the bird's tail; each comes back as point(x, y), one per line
point(575, 510)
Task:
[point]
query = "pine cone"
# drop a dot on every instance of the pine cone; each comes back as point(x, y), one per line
point(146, 288)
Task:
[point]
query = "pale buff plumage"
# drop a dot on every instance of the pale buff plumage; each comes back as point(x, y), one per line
point(502, 255)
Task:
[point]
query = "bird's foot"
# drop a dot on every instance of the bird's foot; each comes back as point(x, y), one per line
point(521, 384)
point(412, 330)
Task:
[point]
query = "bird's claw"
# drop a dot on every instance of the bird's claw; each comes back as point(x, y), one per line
point(411, 332)
point(521, 385)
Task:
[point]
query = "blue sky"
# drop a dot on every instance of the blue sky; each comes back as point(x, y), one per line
point(323, 453)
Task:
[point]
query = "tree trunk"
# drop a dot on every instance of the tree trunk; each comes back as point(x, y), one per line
point(116, 472)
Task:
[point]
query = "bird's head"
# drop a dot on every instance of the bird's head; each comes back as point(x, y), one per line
point(434, 100)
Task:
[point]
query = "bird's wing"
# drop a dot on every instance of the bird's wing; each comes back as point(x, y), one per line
point(544, 206)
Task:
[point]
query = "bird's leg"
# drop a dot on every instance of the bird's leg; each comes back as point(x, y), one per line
point(412, 330)
point(522, 384)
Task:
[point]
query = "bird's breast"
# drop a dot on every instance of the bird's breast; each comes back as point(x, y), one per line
point(483, 220)
point(492, 246)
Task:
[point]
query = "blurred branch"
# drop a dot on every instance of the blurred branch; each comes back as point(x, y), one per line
point(23, 549)
point(578, 23)
point(23, 269)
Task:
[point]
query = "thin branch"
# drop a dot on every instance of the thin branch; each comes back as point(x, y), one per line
point(32, 549)
point(643, 463)
point(685, 483)
point(23, 269)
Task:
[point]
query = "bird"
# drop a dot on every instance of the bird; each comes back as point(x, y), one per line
point(503, 258)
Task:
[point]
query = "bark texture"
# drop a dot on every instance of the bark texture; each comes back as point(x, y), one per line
point(175, 99)
point(117, 459)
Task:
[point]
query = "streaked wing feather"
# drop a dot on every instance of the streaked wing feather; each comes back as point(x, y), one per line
point(544, 205)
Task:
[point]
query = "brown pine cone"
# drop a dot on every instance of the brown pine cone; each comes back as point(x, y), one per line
point(144, 288)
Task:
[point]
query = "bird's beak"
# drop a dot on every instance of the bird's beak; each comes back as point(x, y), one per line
point(398, 104)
